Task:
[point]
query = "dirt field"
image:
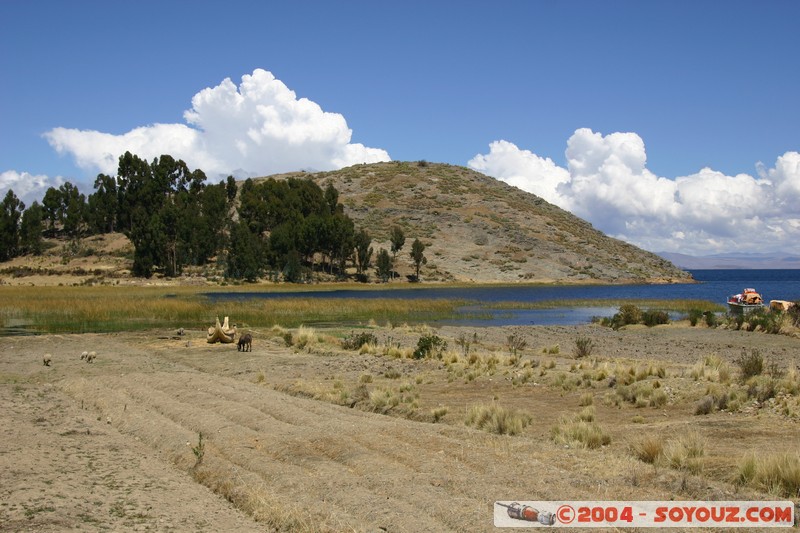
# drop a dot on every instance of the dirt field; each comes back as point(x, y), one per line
point(322, 439)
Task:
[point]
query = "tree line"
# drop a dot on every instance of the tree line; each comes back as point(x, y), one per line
point(284, 229)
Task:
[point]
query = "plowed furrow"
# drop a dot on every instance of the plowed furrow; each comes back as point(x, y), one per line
point(315, 460)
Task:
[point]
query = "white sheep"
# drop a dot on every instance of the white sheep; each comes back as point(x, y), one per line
point(47, 359)
point(90, 357)
point(84, 354)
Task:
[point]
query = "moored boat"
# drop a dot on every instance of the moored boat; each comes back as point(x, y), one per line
point(747, 300)
point(781, 305)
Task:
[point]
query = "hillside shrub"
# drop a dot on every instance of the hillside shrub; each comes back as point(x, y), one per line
point(430, 346)
point(764, 320)
point(794, 314)
point(516, 342)
point(466, 341)
point(711, 319)
point(288, 338)
point(355, 341)
point(583, 347)
point(655, 318)
point(632, 314)
point(736, 320)
point(694, 316)
point(628, 314)
point(750, 364)
point(658, 398)
point(704, 406)
point(762, 388)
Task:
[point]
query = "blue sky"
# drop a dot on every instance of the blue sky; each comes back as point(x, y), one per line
point(626, 113)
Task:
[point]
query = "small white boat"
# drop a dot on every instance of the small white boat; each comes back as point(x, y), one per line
point(747, 300)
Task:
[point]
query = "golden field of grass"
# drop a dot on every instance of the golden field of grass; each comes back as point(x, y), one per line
point(107, 309)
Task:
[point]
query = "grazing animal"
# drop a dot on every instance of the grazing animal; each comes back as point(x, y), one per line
point(245, 343)
point(47, 359)
point(90, 357)
point(84, 355)
point(181, 332)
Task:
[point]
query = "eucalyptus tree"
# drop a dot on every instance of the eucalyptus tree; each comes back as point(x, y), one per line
point(30, 230)
point(133, 175)
point(103, 204)
point(363, 251)
point(398, 240)
point(332, 199)
point(244, 258)
point(65, 210)
point(341, 240)
point(169, 214)
point(418, 256)
point(383, 265)
point(73, 207)
point(10, 214)
point(231, 189)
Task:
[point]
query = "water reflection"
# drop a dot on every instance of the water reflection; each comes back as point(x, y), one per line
point(560, 316)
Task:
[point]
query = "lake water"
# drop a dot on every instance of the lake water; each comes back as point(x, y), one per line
point(713, 286)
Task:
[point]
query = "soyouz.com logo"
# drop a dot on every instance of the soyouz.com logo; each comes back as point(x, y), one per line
point(744, 514)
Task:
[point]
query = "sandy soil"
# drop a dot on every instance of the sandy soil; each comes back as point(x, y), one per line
point(109, 445)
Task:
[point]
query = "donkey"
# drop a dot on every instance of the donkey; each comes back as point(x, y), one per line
point(245, 343)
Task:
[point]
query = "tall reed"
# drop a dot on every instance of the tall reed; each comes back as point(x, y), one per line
point(107, 309)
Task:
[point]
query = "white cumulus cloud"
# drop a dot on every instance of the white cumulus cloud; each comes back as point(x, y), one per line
point(786, 179)
point(607, 182)
point(27, 187)
point(259, 127)
point(523, 169)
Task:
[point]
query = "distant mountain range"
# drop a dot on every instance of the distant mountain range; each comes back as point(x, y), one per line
point(740, 261)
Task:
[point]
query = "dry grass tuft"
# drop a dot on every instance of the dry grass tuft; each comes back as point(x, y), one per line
point(686, 452)
point(438, 413)
point(497, 419)
point(579, 432)
point(587, 414)
point(305, 337)
point(659, 398)
point(404, 398)
point(711, 368)
point(587, 398)
point(397, 352)
point(649, 449)
point(776, 473)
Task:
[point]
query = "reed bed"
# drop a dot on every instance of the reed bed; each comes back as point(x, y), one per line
point(108, 309)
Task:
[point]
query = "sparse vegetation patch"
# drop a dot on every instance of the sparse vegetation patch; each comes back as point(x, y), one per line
point(497, 419)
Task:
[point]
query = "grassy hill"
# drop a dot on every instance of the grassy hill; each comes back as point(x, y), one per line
point(475, 229)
